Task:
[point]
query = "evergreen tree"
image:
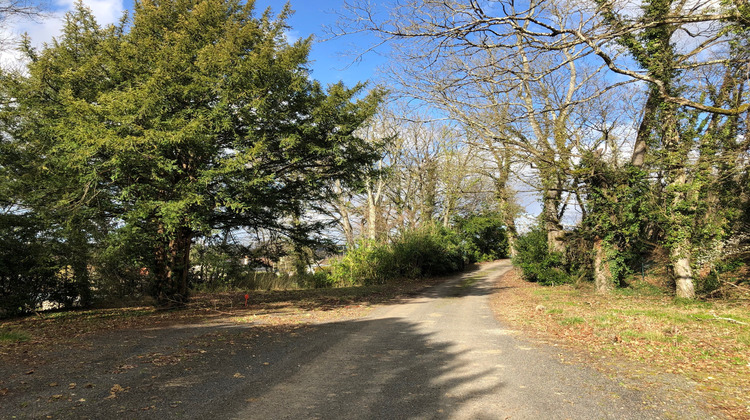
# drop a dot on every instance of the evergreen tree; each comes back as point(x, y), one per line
point(192, 115)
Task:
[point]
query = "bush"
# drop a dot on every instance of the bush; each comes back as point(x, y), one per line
point(120, 274)
point(536, 263)
point(28, 266)
point(429, 251)
point(485, 237)
point(368, 263)
point(424, 252)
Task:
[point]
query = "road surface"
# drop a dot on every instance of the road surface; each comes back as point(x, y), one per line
point(441, 355)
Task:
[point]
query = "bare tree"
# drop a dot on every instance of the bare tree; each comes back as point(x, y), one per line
point(514, 52)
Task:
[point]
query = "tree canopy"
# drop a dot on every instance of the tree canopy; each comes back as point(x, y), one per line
point(190, 115)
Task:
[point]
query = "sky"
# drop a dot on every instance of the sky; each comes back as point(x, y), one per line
point(331, 60)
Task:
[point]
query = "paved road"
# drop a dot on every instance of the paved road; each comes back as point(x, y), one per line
point(444, 355)
point(438, 356)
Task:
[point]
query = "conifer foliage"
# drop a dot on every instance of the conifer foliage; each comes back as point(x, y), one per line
point(190, 115)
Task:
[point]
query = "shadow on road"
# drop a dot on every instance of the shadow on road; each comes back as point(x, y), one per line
point(383, 368)
point(372, 369)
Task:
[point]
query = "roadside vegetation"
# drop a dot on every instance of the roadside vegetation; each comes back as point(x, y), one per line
point(642, 332)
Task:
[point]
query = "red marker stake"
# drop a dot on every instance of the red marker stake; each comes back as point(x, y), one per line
point(247, 296)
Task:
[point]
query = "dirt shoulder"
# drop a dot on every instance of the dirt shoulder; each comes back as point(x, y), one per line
point(646, 338)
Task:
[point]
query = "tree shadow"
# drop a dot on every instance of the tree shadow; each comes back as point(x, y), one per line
point(372, 368)
point(367, 369)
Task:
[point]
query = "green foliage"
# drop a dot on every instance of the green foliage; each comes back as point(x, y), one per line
point(28, 267)
point(191, 116)
point(620, 211)
point(121, 261)
point(368, 263)
point(428, 251)
point(536, 263)
point(573, 320)
point(485, 237)
point(424, 252)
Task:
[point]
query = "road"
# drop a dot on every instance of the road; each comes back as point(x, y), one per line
point(444, 355)
point(441, 355)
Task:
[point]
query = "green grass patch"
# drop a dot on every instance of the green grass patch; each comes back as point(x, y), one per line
point(470, 281)
point(653, 336)
point(572, 320)
point(607, 320)
point(555, 311)
point(13, 336)
point(692, 303)
point(640, 288)
point(738, 361)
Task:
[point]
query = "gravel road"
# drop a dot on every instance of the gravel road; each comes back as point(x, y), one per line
point(441, 355)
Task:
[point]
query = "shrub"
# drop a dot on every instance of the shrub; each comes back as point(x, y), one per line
point(368, 263)
point(28, 267)
point(536, 263)
point(428, 251)
point(485, 237)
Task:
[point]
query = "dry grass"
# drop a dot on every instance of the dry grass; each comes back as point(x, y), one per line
point(705, 341)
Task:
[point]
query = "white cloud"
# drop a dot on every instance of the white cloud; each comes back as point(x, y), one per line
point(291, 36)
point(105, 11)
point(43, 30)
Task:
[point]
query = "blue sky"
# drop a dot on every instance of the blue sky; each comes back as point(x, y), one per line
point(331, 60)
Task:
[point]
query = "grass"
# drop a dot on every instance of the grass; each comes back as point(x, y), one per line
point(572, 320)
point(707, 341)
point(13, 336)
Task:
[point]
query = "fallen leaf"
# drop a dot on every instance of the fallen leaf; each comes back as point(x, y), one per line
point(57, 396)
point(72, 385)
point(4, 391)
point(53, 384)
point(239, 375)
point(30, 372)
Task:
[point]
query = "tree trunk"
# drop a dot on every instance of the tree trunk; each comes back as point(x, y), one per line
point(371, 213)
point(683, 272)
point(447, 212)
point(555, 232)
point(603, 279)
point(680, 253)
point(679, 223)
point(644, 130)
point(345, 219)
point(346, 225)
point(171, 271)
point(374, 198)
